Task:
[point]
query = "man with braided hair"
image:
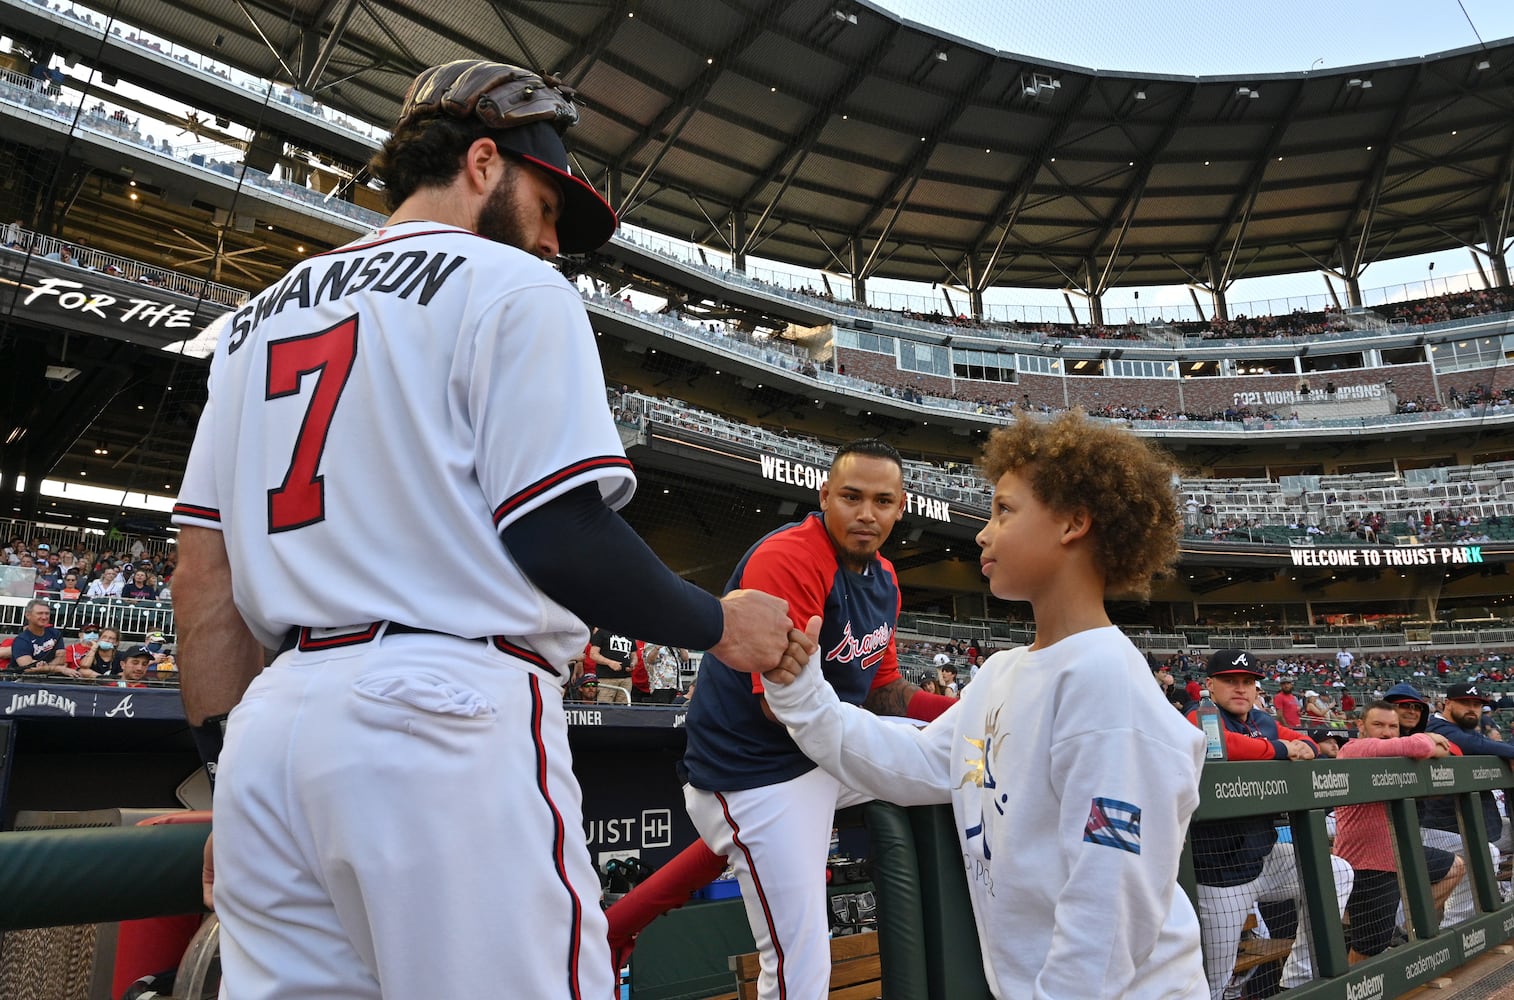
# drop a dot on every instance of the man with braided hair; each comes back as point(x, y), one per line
point(397, 814)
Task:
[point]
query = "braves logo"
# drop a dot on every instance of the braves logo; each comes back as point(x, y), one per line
point(869, 649)
point(124, 708)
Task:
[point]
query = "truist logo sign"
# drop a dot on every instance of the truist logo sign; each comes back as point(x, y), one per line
point(869, 649)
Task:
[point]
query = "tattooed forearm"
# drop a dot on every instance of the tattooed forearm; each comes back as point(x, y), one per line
point(892, 698)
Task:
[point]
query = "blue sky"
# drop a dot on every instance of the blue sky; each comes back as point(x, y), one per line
point(1215, 36)
point(1211, 37)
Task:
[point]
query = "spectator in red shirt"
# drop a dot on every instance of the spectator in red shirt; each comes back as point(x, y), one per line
point(1348, 703)
point(74, 654)
point(1286, 705)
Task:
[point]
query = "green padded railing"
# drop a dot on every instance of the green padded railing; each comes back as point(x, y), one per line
point(924, 911)
point(53, 878)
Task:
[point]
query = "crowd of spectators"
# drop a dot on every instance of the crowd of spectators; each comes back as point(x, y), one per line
point(1453, 306)
point(64, 574)
point(1331, 688)
point(1299, 323)
point(1442, 525)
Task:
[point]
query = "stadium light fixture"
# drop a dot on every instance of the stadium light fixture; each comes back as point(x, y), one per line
point(844, 16)
point(1039, 87)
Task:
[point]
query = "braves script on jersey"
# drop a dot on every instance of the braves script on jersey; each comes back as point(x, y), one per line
point(414, 348)
point(731, 744)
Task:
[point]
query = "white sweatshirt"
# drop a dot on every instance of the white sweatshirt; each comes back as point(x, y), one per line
point(1072, 781)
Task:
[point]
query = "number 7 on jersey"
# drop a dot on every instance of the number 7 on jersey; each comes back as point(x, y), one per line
point(300, 499)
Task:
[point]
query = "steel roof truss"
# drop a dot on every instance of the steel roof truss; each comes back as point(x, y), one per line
point(950, 272)
point(588, 51)
point(394, 38)
point(904, 184)
point(844, 267)
point(1010, 205)
point(1192, 276)
point(266, 41)
point(799, 150)
point(691, 98)
point(713, 227)
point(504, 18)
point(1244, 203)
point(1367, 197)
point(1131, 200)
point(312, 74)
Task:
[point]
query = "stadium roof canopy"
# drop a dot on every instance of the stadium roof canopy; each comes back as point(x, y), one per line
point(833, 134)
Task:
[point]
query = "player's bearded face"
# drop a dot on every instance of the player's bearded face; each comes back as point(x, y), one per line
point(1466, 714)
point(501, 219)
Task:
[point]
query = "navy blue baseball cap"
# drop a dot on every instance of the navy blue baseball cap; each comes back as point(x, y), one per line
point(1232, 661)
point(527, 113)
point(587, 221)
point(1466, 692)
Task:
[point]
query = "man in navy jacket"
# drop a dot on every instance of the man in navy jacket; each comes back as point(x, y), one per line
point(1458, 722)
point(1238, 862)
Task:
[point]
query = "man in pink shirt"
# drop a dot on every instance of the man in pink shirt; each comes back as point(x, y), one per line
point(1285, 703)
point(1363, 837)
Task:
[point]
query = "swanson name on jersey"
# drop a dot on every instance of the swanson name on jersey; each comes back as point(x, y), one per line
point(415, 272)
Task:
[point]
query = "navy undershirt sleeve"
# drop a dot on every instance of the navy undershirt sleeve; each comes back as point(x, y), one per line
point(554, 544)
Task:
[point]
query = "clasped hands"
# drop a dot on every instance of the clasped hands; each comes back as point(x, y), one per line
point(801, 646)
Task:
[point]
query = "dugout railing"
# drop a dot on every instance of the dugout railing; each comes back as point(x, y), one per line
point(928, 945)
point(1304, 792)
point(924, 913)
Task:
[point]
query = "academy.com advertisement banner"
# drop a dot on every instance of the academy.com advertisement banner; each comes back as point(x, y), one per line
point(1247, 789)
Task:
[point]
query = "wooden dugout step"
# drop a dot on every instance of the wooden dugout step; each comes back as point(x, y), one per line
point(855, 970)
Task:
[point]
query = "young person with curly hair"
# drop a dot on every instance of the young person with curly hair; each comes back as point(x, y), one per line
point(1070, 817)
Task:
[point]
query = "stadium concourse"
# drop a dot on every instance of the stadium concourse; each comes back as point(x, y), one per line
point(1348, 461)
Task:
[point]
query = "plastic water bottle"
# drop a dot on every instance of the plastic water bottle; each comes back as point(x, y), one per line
point(1214, 729)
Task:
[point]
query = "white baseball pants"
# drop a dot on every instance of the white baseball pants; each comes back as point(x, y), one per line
point(400, 819)
point(777, 839)
point(1223, 911)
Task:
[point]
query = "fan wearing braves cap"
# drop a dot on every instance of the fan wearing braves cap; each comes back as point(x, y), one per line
point(1239, 862)
point(1438, 826)
point(396, 812)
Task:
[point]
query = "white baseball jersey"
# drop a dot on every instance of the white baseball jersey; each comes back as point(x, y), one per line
point(430, 359)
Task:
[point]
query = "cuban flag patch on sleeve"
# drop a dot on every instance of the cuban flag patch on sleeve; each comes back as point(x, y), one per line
point(1113, 823)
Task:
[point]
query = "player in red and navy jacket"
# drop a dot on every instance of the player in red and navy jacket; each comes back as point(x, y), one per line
point(732, 742)
point(1238, 862)
point(744, 774)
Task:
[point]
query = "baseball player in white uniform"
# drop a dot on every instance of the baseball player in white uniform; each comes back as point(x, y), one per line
point(396, 814)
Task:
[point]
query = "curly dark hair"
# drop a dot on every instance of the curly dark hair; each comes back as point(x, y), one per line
point(425, 151)
point(1124, 482)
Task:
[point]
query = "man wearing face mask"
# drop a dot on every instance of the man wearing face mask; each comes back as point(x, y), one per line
point(89, 634)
